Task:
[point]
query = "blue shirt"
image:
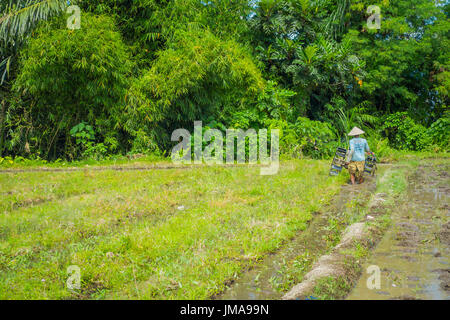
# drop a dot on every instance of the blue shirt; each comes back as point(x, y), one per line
point(359, 146)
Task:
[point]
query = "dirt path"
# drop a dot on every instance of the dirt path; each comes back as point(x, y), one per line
point(414, 254)
point(125, 168)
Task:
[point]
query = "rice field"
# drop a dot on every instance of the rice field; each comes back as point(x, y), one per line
point(152, 234)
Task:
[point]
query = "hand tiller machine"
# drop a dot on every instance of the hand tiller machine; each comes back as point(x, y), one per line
point(338, 162)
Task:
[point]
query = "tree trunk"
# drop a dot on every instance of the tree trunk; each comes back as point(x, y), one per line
point(2, 126)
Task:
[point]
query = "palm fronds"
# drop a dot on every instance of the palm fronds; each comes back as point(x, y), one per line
point(356, 116)
point(334, 25)
point(18, 19)
point(344, 124)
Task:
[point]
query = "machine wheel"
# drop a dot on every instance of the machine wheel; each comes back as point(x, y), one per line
point(374, 171)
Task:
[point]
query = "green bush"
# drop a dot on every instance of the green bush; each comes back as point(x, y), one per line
point(404, 133)
point(143, 143)
point(95, 151)
point(380, 146)
point(83, 133)
point(439, 133)
point(274, 101)
point(316, 137)
point(305, 137)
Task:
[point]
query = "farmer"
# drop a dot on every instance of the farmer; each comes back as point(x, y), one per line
point(356, 157)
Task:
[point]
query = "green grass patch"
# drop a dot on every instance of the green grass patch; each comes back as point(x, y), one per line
point(24, 163)
point(157, 234)
point(330, 288)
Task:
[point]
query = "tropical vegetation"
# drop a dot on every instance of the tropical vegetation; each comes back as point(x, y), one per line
point(137, 70)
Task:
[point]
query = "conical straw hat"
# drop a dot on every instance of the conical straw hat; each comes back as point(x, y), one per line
point(356, 132)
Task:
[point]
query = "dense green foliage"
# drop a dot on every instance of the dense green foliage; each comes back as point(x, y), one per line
point(137, 70)
point(62, 83)
point(198, 76)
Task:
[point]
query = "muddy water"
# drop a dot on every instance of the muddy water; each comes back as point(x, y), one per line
point(257, 283)
point(414, 255)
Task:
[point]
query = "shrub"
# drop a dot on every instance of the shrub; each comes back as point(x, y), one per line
point(315, 137)
point(379, 145)
point(95, 151)
point(305, 137)
point(404, 133)
point(439, 133)
point(83, 133)
point(143, 143)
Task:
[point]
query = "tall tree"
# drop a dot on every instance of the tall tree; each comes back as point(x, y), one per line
point(295, 40)
point(405, 58)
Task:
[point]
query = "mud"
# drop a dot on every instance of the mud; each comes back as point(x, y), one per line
point(332, 265)
point(444, 235)
point(444, 277)
point(414, 254)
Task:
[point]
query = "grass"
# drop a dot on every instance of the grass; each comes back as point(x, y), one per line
point(407, 156)
point(156, 234)
point(330, 288)
point(394, 181)
point(23, 163)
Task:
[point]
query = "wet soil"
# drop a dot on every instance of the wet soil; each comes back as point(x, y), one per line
point(414, 254)
point(259, 282)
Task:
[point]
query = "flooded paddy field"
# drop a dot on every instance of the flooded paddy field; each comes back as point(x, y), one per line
point(414, 255)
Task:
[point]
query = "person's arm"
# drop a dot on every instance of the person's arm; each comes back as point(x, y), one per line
point(350, 154)
point(367, 148)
